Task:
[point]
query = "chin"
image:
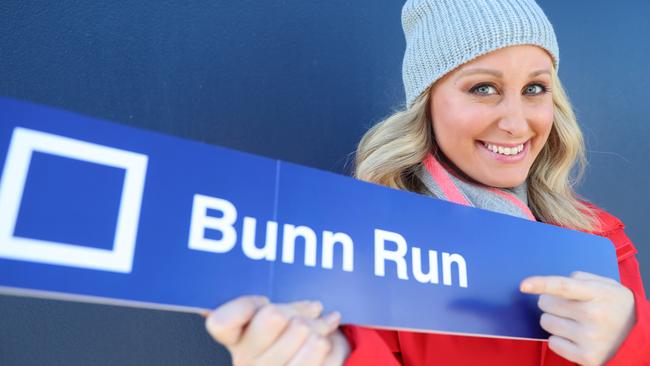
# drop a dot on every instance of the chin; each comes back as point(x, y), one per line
point(508, 181)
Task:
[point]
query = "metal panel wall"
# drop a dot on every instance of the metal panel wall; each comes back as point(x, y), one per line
point(295, 80)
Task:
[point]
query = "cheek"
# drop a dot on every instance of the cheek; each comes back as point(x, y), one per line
point(457, 125)
point(544, 122)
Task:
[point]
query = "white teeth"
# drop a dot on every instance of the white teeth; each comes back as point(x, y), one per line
point(504, 150)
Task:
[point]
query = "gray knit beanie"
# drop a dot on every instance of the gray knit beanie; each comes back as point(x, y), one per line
point(444, 34)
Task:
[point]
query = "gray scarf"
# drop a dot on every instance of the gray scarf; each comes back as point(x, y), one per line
point(440, 183)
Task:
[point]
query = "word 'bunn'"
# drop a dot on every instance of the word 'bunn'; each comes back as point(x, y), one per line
point(225, 224)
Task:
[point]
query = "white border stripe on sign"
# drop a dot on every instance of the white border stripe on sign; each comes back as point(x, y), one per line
point(120, 258)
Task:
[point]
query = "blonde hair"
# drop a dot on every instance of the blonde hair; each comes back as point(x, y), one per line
point(391, 153)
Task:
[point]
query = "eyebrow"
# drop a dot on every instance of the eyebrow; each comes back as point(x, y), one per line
point(496, 73)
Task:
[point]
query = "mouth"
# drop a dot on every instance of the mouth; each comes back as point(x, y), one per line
point(510, 153)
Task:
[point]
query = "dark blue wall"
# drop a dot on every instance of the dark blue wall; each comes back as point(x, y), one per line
point(295, 80)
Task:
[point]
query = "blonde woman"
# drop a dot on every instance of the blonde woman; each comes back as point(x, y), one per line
point(486, 124)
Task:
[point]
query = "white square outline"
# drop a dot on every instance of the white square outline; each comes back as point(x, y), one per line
point(25, 141)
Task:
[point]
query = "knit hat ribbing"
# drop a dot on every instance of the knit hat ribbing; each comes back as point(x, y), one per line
point(444, 34)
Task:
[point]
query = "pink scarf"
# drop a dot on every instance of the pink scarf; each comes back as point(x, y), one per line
point(441, 183)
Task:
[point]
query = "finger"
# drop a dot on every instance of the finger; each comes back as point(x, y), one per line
point(565, 287)
point(295, 336)
point(340, 350)
point(313, 352)
point(308, 309)
point(563, 327)
point(330, 323)
point(326, 325)
point(288, 344)
point(269, 322)
point(558, 306)
point(226, 322)
point(565, 348)
point(586, 276)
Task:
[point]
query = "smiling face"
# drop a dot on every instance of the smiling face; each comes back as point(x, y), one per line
point(492, 116)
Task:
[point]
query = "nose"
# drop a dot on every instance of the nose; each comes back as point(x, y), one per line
point(513, 117)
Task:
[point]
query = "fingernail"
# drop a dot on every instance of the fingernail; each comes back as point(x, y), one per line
point(316, 306)
point(526, 287)
point(333, 318)
point(261, 300)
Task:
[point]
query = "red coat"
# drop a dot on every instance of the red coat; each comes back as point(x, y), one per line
point(381, 347)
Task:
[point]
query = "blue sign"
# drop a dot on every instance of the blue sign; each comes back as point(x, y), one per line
point(95, 211)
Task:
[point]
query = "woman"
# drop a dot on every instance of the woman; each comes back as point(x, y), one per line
point(487, 124)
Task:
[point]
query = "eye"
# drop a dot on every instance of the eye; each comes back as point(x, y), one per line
point(535, 89)
point(483, 89)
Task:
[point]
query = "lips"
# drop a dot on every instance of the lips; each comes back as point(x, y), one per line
point(504, 149)
point(508, 153)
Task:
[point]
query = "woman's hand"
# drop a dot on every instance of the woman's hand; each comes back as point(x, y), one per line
point(588, 316)
point(259, 333)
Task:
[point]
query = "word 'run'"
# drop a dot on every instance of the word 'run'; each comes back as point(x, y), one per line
point(225, 224)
